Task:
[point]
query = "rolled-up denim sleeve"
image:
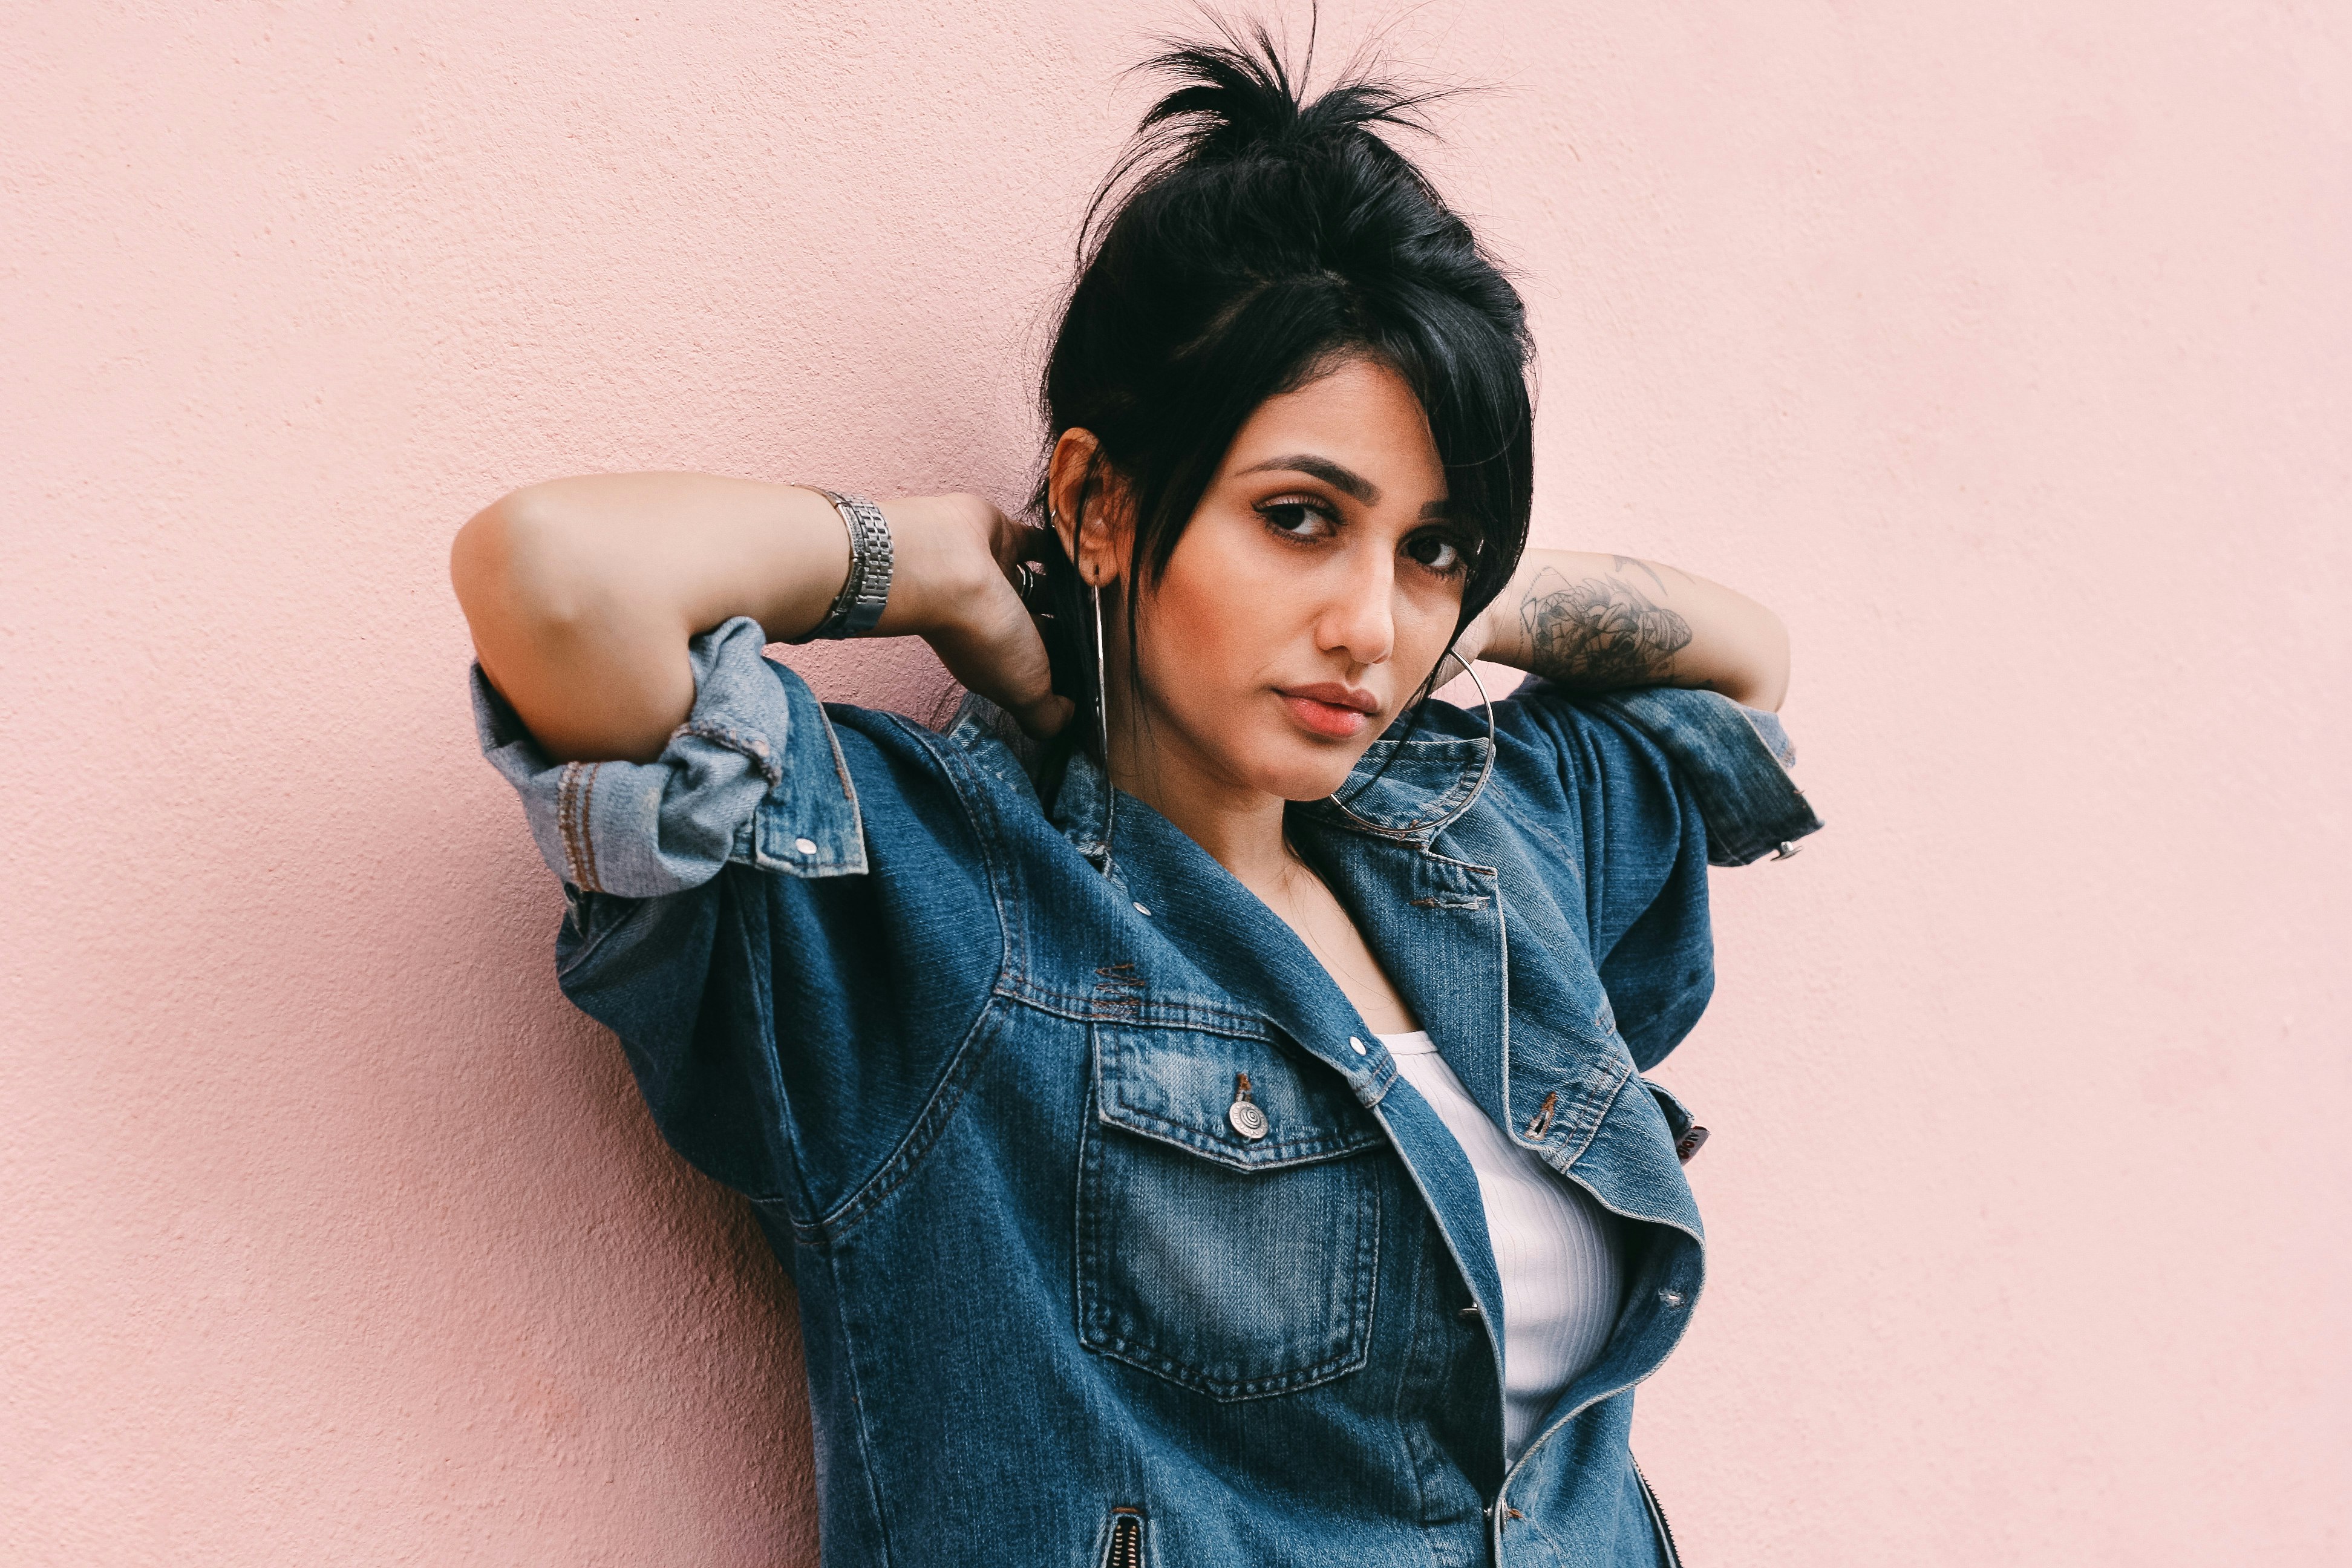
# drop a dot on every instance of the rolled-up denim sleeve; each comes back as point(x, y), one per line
point(1736, 763)
point(1644, 790)
point(752, 776)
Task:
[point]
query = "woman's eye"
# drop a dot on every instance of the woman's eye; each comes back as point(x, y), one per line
point(1298, 519)
point(1435, 551)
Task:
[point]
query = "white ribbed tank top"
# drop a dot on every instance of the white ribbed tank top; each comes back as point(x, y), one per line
point(1556, 1249)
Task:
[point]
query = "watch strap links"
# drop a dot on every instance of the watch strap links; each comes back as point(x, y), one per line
point(866, 591)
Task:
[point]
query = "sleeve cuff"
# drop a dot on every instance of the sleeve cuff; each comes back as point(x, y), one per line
point(1735, 761)
point(753, 775)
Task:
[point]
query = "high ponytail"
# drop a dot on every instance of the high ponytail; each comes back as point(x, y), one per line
point(1240, 100)
point(1248, 236)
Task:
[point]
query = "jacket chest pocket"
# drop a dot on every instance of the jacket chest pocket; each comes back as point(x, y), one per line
point(1232, 1250)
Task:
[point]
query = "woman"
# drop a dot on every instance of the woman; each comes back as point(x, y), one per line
point(1212, 1135)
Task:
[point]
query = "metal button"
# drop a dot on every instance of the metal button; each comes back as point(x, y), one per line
point(1469, 1314)
point(805, 846)
point(1140, 910)
point(1356, 1043)
point(1671, 1297)
point(1247, 1120)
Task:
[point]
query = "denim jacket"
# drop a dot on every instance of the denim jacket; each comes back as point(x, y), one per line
point(974, 1068)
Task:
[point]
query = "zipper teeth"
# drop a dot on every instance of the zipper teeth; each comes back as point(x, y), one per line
point(1658, 1513)
point(1126, 1540)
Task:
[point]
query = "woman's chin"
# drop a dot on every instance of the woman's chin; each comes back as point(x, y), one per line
point(1303, 773)
point(1276, 757)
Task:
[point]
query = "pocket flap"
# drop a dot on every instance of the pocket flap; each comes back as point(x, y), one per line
point(1179, 1086)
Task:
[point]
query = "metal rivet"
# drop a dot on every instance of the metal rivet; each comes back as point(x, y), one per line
point(1247, 1120)
point(1671, 1297)
point(1141, 910)
point(1788, 847)
point(1356, 1043)
point(805, 846)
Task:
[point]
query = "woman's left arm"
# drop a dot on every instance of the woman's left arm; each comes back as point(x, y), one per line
point(1601, 623)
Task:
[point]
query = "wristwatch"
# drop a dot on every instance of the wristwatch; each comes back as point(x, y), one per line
point(866, 589)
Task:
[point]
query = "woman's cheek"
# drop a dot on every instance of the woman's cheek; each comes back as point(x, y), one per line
point(1208, 666)
point(1422, 646)
point(1206, 641)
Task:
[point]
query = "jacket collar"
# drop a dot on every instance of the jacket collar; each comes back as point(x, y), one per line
point(1735, 758)
point(1409, 789)
point(1085, 809)
point(1403, 789)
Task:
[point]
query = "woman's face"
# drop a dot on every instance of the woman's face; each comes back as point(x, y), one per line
point(1312, 594)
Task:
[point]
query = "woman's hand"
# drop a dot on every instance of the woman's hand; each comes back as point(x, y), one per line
point(951, 584)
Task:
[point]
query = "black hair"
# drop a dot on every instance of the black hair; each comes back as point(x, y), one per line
point(1247, 241)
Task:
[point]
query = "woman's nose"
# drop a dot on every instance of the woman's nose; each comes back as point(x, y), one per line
point(1360, 621)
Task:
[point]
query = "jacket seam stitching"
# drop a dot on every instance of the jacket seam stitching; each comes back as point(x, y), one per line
point(857, 1399)
point(1410, 1386)
point(588, 823)
point(1091, 1007)
point(929, 1121)
point(567, 819)
point(755, 898)
point(921, 1136)
point(1592, 1129)
point(959, 769)
point(841, 776)
point(1315, 1150)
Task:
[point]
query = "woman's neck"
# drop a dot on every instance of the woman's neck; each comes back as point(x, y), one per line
point(1241, 828)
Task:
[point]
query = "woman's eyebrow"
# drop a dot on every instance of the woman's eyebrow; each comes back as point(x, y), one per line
point(1346, 482)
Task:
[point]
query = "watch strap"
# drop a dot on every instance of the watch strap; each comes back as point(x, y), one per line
point(866, 591)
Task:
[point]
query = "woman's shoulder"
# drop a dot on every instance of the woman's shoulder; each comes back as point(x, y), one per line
point(966, 747)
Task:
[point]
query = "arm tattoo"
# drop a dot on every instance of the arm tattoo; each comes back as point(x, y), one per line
point(1628, 562)
point(1600, 633)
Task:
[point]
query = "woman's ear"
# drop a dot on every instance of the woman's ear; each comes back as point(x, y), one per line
point(1085, 495)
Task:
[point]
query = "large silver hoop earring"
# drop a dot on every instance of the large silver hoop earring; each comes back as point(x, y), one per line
point(1102, 721)
point(1435, 825)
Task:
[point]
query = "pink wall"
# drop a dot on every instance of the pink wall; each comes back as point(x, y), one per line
point(2003, 348)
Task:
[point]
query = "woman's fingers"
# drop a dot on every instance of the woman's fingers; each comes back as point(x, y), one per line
point(958, 557)
point(995, 650)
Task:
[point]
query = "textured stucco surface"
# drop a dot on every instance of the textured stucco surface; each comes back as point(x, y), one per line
point(2003, 348)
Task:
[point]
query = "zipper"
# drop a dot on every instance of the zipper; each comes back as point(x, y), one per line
point(1666, 1533)
point(1125, 1548)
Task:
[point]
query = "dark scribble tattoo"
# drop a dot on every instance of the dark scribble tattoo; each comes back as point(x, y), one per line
point(1602, 632)
point(1632, 562)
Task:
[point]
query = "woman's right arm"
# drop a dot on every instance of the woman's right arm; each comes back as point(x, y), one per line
point(583, 592)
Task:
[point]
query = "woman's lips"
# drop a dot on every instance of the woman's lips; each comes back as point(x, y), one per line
point(1330, 709)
